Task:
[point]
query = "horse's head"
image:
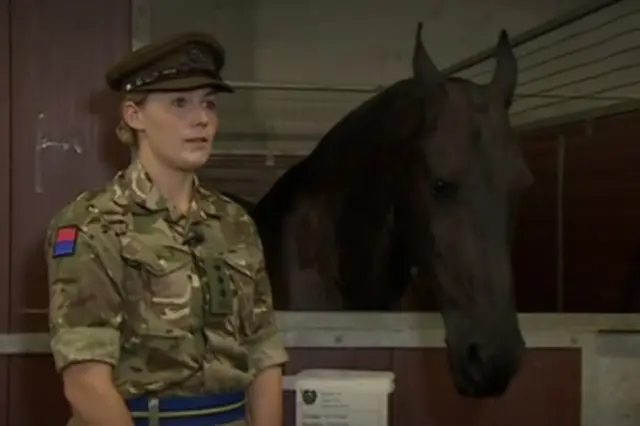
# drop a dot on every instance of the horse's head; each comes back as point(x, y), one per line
point(473, 169)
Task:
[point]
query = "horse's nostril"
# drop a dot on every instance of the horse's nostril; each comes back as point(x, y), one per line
point(474, 355)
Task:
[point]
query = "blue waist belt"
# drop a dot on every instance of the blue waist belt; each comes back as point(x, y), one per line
point(204, 410)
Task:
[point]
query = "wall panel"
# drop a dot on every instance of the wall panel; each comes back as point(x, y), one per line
point(5, 191)
point(36, 392)
point(63, 126)
point(62, 143)
point(535, 251)
point(547, 391)
point(602, 212)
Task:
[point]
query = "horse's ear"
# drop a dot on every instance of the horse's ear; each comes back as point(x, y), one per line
point(424, 70)
point(505, 75)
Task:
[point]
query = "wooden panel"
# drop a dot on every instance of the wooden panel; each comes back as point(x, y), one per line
point(546, 392)
point(5, 198)
point(535, 252)
point(602, 216)
point(4, 390)
point(59, 96)
point(361, 359)
point(5, 151)
point(35, 384)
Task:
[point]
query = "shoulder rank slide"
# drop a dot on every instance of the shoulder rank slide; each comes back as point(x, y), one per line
point(65, 241)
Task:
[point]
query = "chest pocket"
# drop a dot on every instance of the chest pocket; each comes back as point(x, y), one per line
point(160, 285)
point(231, 279)
point(241, 271)
point(220, 287)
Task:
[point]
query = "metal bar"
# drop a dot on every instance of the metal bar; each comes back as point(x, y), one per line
point(310, 87)
point(623, 86)
point(583, 65)
point(592, 113)
point(534, 33)
point(566, 38)
point(562, 144)
point(587, 97)
point(304, 87)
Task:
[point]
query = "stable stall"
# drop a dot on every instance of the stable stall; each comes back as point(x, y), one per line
point(578, 80)
point(576, 243)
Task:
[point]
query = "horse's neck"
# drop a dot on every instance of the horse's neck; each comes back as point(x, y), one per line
point(366, 205)
point(413, 229)
point(363, 225)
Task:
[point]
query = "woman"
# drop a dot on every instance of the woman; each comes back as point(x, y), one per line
point(160, 307)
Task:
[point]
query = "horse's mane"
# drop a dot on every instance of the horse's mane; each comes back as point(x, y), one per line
point(388, 118)
point(354, 176)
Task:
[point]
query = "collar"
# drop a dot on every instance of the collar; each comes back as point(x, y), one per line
point(135, 188)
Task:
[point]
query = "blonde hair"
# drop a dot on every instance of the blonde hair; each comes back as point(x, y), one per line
point(126, 133)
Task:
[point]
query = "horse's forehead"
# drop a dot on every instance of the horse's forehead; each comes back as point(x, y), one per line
point(465, 136)
point(467, 97)
point(456, 123)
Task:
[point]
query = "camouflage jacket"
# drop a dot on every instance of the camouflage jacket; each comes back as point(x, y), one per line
point(127, 287)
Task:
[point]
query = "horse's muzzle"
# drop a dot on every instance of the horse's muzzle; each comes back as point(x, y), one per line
point(482, 371)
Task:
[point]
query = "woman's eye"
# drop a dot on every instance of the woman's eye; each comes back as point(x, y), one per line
point(210, 105)
point(442, 188)
point(179, 102)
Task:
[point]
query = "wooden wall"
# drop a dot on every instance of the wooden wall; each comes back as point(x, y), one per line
point(600, 211)
point(5, 195)
point(535, 256)
point(56, 54)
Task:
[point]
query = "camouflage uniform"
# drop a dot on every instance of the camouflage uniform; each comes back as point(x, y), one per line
point(131, 286)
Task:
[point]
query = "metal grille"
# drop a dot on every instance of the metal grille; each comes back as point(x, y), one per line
point(591, 63)
point(586, 61)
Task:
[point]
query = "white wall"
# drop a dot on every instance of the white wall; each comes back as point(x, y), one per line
point(358, 42)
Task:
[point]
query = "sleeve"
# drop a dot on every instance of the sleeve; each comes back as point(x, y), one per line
point(264, 342)
point(84, 270)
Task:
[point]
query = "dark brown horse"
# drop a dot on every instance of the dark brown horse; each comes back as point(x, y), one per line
point(414, 187)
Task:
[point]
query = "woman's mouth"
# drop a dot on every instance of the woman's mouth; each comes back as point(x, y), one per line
point(197, 140)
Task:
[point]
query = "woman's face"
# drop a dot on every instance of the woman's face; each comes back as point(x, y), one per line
point(176, 128)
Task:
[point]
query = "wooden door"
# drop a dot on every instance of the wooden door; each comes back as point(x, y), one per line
point(5, 187)
point(546, 391)
point(601, 210)
point(63, 142)
point(536, 234)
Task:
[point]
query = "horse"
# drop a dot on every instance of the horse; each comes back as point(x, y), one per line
point(411, 196)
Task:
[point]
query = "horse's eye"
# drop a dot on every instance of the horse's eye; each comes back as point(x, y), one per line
point(442, 188)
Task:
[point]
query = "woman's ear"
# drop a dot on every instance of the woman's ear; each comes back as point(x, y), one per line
point(132, 115)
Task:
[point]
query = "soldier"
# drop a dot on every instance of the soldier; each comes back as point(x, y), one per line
point(160, 306)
